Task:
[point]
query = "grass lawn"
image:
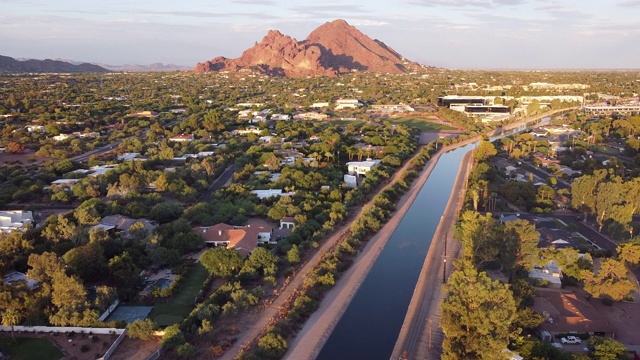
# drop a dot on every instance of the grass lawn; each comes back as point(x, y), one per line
point(181, 303)
point(25, 348)
point(421, 123)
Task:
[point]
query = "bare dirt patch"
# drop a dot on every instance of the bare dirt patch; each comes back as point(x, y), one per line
point(135, 349)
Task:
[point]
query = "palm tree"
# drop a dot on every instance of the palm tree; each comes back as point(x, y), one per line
point(11, 317)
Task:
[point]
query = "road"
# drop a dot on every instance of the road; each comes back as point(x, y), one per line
point(218, 183)
point(114, 145)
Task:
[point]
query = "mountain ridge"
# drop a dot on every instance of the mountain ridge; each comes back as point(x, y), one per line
point(9, 64)
point(331, 49)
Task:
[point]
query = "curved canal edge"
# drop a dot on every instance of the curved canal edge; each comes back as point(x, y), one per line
point(317, 329)
point(420, 336)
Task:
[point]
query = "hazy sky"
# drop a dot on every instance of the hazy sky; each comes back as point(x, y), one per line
point(476, 34)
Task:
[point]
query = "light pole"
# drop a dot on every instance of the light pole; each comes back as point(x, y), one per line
point(444, 263)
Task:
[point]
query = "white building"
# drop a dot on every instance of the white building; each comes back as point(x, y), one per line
point(35, 128)
point(263, 194)
point(347, 104)
point(550, 273)
point(62, 137)
point(320, 105)
point(63, 183)
point(311, 116)
point(101, 170)
point(280, 117)
point(361, 167)
point(392, 108)
point(128, 156)
point(351, 180)
point(15, 219)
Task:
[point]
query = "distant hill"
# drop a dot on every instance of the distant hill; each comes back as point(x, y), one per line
point(8, 64)
point(333, 48)
point(144, 68)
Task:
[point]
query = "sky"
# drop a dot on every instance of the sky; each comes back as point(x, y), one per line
point(454, 34)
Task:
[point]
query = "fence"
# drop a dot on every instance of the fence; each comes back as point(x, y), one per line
point(114, 346)
point(109, 310)
point(63, 329)
point(73, 329)
point(156, 354)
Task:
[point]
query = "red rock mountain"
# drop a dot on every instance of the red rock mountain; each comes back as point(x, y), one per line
point(333, 48)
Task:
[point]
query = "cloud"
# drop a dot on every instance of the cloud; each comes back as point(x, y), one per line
point(255, 2)
point(207, 14)
point(464, 3)
point(629, 3)
point(329, 8)
point(367, 22)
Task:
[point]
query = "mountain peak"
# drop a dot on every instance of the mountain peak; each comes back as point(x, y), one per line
point(334, 47)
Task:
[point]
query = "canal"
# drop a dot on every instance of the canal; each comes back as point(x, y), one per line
point(371, 323)
point(369, 327)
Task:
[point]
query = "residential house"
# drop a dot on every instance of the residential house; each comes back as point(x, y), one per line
point(567, 312)
point(182, 138)
point(15, 219)
point(35, 128)
point(505, 219)
point(62, 183)
point(101, 170)
point(241, 238)
point(250, 130)
point(263, 194)
point(128, 156)
point(123, 224)
point(280, 117)
point(549, 273)
point(361, 167)
point(91, 134)
point(146, 113)
point(15, 276)
point(347, 104)
point(62, 137)
point(351, 181)
point(288, 222)
point(319, 105)
point(391, 108)
point(310, 116)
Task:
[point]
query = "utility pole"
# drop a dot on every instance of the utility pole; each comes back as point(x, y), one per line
point(444, 267)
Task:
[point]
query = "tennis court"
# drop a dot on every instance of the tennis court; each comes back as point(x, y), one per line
point(130, 313)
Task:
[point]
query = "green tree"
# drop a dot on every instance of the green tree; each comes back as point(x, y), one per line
point(607, 348)
point(485, 150)
point(611, 280)
point(221, 261)
point(11, 317)
point(477, 315)
point(520, 245)
point(125, 274)
point(141, 329)
point(87, 261)
point(272, 346)
point(293, 255)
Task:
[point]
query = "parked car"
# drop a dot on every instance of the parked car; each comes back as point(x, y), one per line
point(570, 340)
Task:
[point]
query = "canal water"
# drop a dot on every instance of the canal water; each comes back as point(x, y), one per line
point(370, 326)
